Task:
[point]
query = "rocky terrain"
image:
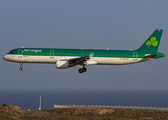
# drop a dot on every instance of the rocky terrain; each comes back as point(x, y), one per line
point(10, 112)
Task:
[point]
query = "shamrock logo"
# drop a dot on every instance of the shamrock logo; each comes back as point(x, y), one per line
point(152, 41)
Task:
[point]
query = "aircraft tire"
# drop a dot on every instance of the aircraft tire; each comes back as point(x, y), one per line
point(80, 70)
point(84, 69)
point(20, 69)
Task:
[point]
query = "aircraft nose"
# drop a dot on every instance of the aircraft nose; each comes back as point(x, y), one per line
point(5, 57)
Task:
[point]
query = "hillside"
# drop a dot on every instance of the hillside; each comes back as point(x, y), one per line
point(10, 112)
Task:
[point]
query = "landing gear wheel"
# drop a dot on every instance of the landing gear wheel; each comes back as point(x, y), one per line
point(80, 70)
point(84, 69)
point(20, 69)
point(21, 64)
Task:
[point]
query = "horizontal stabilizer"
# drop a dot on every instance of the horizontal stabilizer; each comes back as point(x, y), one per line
point(150, 56)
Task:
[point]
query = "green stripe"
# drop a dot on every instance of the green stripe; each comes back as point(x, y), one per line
point(78, 52)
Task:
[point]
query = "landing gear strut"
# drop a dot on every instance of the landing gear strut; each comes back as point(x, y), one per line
point(21, 64)
point(81, 70)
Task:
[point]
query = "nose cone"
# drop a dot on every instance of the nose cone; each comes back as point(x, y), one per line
point(5, 57)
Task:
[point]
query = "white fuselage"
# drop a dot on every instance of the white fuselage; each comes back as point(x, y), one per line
point(53, 59)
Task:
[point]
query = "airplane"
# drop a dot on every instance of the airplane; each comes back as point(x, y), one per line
point(65, 58)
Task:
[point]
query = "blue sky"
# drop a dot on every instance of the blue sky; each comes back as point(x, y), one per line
point(113, 24)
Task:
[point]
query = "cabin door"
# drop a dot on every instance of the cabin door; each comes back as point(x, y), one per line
point(20, 53)
point(135, 56)
point(51, 53)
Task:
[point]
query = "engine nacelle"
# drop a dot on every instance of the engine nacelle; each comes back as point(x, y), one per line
point(62, 64)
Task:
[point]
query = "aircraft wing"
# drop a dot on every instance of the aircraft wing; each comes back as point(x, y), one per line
point(80, 60)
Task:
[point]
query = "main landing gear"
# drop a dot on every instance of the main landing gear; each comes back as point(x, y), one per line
point(21, 64)
point(81, 70)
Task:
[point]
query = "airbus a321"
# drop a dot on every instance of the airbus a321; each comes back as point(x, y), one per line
point(65, 58)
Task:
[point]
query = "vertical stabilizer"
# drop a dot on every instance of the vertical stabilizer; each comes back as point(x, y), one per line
point(152, 43)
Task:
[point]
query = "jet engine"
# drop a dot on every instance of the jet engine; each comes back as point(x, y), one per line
point(63, 64)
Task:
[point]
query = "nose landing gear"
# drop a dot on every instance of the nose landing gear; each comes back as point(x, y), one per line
point(21, 64)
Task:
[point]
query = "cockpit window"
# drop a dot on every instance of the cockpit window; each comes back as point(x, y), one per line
point(11, 52)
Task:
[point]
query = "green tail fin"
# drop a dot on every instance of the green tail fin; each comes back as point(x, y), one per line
point(152, 43)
